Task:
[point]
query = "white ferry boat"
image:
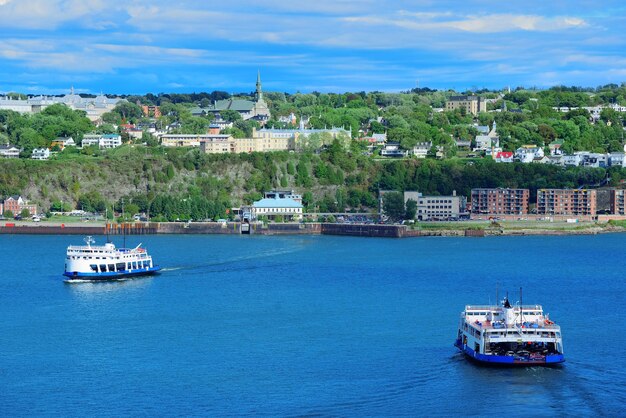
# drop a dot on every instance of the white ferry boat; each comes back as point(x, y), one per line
point(105, 262)
point(509, 335)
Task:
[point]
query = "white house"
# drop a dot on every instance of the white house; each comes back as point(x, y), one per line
point(392, 149)
point(40, 154)
point(9, 151)
point(420, 150)
point(617, 159)
point(528, 153)
point(504, 157)
point(103, 141)
point(488, 141)
point(572, 160)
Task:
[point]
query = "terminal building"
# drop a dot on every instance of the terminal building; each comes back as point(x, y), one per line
point(438, 208)
point(275, 203)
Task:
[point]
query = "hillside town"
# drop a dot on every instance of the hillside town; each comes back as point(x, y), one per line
point(268, 132)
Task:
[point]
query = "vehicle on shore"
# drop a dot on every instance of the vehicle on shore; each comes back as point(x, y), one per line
point(105, 262)
point(520, 335)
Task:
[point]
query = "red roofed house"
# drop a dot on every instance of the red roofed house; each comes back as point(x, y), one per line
point(504, 157)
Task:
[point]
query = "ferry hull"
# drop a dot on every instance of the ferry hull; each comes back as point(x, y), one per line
point(550, 360)
point(109, 276)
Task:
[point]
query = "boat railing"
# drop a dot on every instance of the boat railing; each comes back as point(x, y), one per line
point(88, 248)
point(516, 326)
point(498, 308)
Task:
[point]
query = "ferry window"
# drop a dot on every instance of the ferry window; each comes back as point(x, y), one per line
point(111, 267)
point(94, 267)
point(103, 268)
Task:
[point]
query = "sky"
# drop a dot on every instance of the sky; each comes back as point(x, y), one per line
point(185, 46)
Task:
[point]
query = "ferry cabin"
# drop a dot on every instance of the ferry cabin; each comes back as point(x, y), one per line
point(106, 259)
point(516, 331)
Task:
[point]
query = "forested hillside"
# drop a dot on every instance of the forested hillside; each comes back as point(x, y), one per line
point(183, 183)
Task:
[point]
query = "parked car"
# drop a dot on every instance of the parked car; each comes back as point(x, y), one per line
point(36, 219)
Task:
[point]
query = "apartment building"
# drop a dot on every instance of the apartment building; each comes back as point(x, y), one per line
point(566, 202)
point(500, 201)
point(618, 202)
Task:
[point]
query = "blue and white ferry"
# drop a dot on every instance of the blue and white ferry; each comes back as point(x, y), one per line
point(519, 335)
point(105, 262)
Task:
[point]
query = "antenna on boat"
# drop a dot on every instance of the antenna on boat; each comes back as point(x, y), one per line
point(521, 306)
point(123, 225)
point(497, 300)
point(106, 223)
point(89, 240)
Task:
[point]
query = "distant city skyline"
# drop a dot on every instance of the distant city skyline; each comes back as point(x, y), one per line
point(141, 46)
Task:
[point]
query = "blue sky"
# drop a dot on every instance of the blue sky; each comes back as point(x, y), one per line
point(140, 46)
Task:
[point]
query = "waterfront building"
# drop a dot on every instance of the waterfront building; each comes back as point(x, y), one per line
point(16, 204)
point(500, 201)
point(618, 202)
point(566, 202)
point(9, 151)
point(437, 207)
point(472, 104)
point(40, 154)
point(284, 203)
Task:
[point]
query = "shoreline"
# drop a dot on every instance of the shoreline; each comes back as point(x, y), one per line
point(235, 228)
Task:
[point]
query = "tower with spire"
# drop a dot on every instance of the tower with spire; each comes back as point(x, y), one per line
point(259, 91)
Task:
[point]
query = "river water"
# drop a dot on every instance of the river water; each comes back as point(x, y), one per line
point(306, 325)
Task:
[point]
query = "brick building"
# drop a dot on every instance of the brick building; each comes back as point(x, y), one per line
point(618, 202)
point(566, 202)
point(16, 204)
point(500, 201)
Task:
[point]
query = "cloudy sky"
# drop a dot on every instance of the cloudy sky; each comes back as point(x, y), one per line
point(140, 46)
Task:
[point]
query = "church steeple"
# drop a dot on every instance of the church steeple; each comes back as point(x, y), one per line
point(259, 92)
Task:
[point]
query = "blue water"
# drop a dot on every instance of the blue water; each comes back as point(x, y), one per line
point(322, 326)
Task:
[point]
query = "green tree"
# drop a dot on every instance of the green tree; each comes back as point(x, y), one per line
point(230, 115)
point(393, 205)
point(411, 209)
point(8, 214)
point(25, 213)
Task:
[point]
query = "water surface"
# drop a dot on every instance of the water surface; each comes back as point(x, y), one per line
point(306, 326)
